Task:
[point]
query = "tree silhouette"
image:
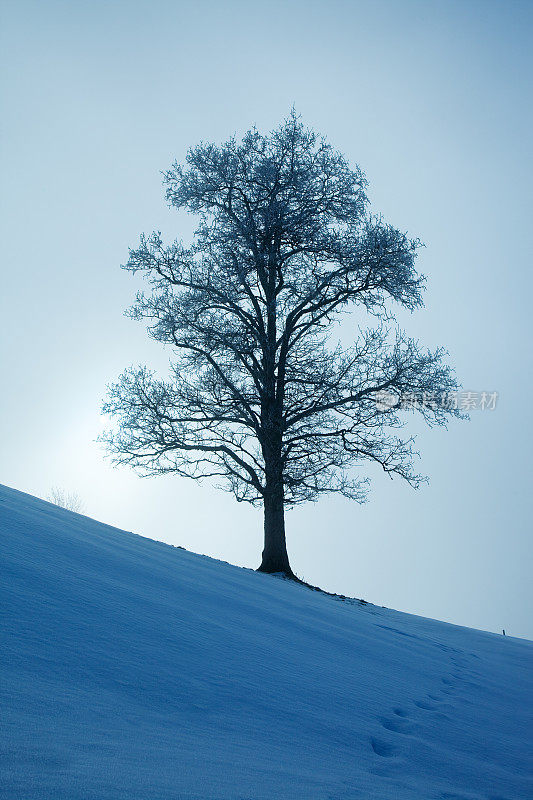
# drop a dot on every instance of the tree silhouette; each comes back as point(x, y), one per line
point(261, 396)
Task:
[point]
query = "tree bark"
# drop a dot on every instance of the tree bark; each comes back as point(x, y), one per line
point(275, 558)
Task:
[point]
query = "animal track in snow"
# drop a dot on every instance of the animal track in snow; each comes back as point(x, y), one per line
point(400, 712)
point(383, 748)
point(397, 725)
point(437, 702)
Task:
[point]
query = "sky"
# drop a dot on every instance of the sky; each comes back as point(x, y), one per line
point(432, 100)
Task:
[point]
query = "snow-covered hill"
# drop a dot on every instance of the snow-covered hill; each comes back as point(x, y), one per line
point(132, 669)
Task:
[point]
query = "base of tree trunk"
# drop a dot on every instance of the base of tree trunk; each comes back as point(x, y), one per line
point(273, 567)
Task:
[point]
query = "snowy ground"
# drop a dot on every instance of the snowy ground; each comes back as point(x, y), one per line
point(132, 669)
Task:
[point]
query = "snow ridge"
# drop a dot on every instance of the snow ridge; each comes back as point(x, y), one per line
point(133, 669)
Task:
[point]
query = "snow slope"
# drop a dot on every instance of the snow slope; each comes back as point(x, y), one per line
point(132, 669)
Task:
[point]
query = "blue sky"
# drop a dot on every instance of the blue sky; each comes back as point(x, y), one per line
point(432, 100)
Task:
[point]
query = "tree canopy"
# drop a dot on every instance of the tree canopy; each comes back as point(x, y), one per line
point(262, 396)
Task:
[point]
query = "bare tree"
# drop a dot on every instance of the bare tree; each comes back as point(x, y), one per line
point(261, 396)
point(69, 500)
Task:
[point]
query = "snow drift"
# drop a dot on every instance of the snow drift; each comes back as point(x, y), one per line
point(132, 669)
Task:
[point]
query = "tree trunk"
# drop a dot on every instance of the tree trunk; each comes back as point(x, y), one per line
point(275, 558)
